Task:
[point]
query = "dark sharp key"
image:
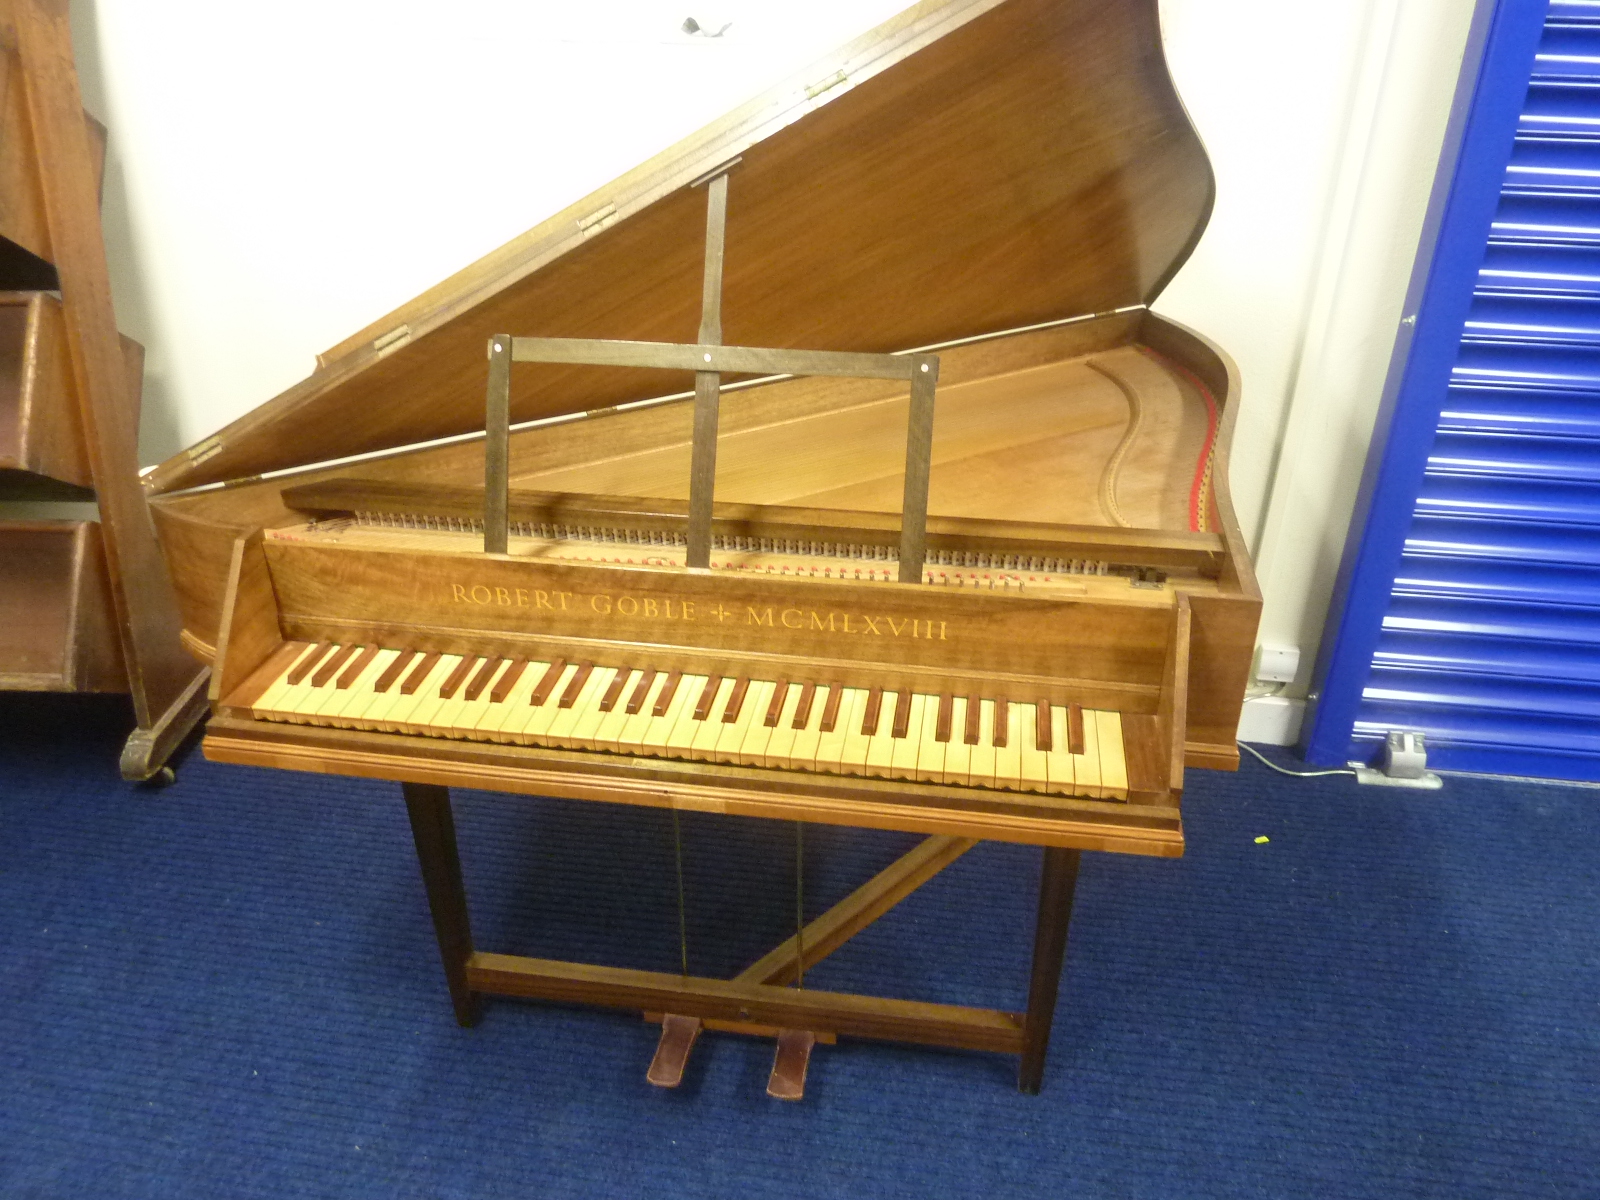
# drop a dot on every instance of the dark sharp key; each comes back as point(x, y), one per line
point(303, 667)
point(570, 696)
point(458, 676)
point(641, 693)
point(802, 709)
point(830, 711)
point(353, 671)
point(664, 701)
point(869, 719)
point(974, 720)
point(1002, 724)
point(480, 679)
point(1041, 724)
point(730, 714)
point(546, 685)
point(395, 669)
point(330, 668)
point(947, 714)
point(780, 693)
point(1074, 729)
point(418, 673)
point(902, 714)
point(609, 700)
point(708, 697)
point(502, 689)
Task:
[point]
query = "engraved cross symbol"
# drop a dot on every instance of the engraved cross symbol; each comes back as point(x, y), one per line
point(720, 613)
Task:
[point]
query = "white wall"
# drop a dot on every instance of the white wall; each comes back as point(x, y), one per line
point(1324, 125)
point(281, 175)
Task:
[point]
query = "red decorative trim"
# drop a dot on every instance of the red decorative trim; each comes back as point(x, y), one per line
point(1202, 509)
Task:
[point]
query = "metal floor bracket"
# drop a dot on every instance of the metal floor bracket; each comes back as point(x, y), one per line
point(1428, 781)
point(1404, 764)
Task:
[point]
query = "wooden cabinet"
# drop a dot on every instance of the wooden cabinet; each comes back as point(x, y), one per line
point(85, 605)
point(57, 623)
point(41, 432)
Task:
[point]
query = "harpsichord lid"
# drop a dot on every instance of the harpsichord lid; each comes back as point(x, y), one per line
point(966, 168)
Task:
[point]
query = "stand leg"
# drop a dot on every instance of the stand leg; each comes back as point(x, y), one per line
point(434, 829)
point(1056, 885)
point(146, 752)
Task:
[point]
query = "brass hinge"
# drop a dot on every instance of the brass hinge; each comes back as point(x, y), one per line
point(392, 341)
point(825, 85)
point(597, 220)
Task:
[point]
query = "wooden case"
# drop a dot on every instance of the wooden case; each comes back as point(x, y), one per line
point(26, 254)
point(1002, 184)
point(1010, 181)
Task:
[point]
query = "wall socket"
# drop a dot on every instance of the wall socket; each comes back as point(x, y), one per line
point(1277, 664)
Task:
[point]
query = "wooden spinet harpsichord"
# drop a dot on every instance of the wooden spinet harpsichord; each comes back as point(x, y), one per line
point(702, 547)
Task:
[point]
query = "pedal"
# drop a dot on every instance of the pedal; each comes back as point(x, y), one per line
point(788, 1079)
point(678, 1036)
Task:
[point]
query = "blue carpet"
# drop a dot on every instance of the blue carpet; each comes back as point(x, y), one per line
point(229, 988)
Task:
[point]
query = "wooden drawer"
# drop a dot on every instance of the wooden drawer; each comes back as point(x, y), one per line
point(22, 216)
point(58, 632)
point(41, 431)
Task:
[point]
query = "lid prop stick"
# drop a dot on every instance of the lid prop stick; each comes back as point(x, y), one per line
point(709, 359)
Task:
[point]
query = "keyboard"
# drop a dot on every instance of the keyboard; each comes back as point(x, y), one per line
point(635, 710)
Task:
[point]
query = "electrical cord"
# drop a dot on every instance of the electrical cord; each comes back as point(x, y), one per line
point(1286, 771)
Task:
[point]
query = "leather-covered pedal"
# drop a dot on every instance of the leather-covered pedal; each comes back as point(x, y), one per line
point(678, 1036)
point(788, 1079)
